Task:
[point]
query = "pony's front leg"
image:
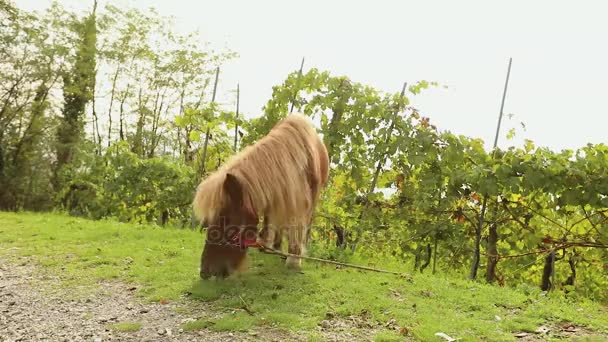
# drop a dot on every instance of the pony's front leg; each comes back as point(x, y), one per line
point(270, 237)
point(297, 241)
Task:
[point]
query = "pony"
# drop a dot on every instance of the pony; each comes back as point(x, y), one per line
point(278, 178)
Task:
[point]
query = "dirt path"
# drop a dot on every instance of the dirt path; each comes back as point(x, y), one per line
point(33, 307)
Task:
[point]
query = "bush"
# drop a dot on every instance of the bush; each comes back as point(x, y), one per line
point(122, 185)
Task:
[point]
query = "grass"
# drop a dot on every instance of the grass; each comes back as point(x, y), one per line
point(387, 336)
point(197, 325)
point(164, 264)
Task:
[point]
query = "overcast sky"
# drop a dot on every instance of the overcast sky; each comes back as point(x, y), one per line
point(558, 80)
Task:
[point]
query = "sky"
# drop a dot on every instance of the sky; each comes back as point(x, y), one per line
point(559, 75)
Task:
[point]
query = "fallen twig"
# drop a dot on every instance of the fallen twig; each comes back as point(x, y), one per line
point(245, 306)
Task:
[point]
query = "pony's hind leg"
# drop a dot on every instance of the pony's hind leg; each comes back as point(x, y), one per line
point(278, 240)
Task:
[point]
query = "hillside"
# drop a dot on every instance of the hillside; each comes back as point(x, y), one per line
point(103, 280)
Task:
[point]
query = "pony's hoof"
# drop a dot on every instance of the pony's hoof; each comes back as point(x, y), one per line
point(293, 263)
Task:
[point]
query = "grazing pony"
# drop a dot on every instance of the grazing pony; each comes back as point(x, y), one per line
point(278, 178)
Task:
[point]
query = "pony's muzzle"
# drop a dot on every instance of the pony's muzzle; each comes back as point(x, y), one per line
point(219, 271)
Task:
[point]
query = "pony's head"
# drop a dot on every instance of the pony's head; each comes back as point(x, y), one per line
point(230, 230)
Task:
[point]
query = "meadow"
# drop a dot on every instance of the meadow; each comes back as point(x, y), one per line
point(163, 263)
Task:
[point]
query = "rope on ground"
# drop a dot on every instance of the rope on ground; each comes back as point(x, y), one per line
point(268, 250)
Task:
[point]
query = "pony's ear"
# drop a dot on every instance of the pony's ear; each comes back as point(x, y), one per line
point(233, 188)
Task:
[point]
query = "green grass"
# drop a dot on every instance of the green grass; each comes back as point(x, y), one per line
point(164, 264)
point(197, 325)
point(126, 326)
point(387, 336)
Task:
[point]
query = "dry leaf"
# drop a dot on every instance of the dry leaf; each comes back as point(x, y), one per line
point(404, 331)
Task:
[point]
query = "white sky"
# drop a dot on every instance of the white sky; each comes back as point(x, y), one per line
point(558, 80)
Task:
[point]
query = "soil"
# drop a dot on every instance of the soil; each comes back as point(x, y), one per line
point(34, 306)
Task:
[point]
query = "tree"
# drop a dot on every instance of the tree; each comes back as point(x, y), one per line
point(78, 91)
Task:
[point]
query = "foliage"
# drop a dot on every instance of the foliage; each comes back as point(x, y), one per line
point(31, 62)
point(54, 68)
point(122, 185)
point(439, 181)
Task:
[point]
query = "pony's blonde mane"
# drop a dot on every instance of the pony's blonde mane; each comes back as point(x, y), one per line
point(274, 173)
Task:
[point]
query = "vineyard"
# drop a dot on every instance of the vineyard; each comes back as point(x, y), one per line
point(114, 114)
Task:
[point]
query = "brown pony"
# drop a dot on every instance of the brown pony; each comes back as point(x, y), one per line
point(278, 177)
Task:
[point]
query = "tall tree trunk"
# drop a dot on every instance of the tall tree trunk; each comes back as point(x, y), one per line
point(138, 140)
point(96, 134)
point(121, 119)
point(188, 145)
point(154, 137)
point(112, 93)
point(182, 111)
